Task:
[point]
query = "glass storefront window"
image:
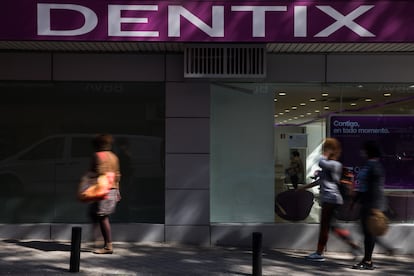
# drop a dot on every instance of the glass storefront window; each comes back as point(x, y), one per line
point(45, 147)
point(300, 117)
point(305, 109)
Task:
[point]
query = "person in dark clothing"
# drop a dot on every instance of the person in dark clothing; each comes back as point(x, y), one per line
point(371, 196)
point(295, 169)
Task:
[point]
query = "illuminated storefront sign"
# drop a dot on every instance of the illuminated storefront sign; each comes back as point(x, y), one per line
point(208, 21)
point(395, 135)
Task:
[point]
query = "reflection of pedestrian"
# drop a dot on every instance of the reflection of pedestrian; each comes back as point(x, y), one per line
point(330, 197)
point(371, 179)
point(295, 169)
point(105, 161)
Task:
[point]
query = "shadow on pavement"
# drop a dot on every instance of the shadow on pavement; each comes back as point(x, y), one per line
point(41, 245)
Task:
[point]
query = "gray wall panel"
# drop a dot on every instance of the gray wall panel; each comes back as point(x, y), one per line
point(199, 235)
point(174, 67)
point(187, 196)
point(187, 207)
point(370, 68)
point(187, 171)
point(293, 236)
point(25, 231)
point(135, 232)
point(108, 67)
point(304, 236)
point(25, 66)
point(187, 100)
point(187, 135)
point(295, 68)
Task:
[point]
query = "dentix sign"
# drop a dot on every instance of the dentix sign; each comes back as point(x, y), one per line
point(208, 21)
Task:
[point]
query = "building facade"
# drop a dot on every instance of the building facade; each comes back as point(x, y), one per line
point(191, 91)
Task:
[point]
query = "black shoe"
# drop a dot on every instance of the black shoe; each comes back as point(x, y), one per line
point(363, 266)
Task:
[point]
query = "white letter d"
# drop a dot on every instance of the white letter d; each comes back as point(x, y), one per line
point(43, 19)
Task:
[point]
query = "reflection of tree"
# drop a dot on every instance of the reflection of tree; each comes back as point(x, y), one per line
point(126, 170)
point(124, 156)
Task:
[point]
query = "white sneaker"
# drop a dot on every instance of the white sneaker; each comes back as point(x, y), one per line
point(315, 257)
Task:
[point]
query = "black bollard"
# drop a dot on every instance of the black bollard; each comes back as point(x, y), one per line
point(75, 249)
point(257, 254)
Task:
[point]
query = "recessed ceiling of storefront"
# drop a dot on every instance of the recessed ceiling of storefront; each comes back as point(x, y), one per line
point(132, 47)
point(320, 101)
point(301, 104)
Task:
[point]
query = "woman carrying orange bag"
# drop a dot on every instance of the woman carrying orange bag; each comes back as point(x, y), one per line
point(105, 163)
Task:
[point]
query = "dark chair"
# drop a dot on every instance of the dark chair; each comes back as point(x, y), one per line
point(294, 205)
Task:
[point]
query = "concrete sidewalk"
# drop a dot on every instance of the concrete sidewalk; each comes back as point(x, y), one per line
point(52, 258)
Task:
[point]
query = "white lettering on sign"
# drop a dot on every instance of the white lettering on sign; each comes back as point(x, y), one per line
point(347, 21)
point(175, 13)
point(259, 16)
point(346, 123)
point(43, 19)
point(115, 20)
point(300, 21)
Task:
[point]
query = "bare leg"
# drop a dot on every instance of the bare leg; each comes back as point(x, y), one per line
point(105, 229)
point(107, 236)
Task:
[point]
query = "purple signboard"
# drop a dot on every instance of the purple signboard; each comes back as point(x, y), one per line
point(395, 135)
point(208, 21)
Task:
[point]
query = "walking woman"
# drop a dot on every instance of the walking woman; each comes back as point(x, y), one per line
point(330, 197)
point(105, 162)
point(371, 196)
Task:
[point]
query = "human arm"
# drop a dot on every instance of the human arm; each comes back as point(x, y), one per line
point(332, 168)
point(309, 185)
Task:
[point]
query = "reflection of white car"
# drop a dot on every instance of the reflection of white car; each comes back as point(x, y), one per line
point(56, 162)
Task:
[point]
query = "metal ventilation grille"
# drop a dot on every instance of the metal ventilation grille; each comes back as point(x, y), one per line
point(233, 61)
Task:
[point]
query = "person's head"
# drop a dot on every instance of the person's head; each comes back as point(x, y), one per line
point(102, 142)
point(371, 149)
point(331, 148)
point(295, 153)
